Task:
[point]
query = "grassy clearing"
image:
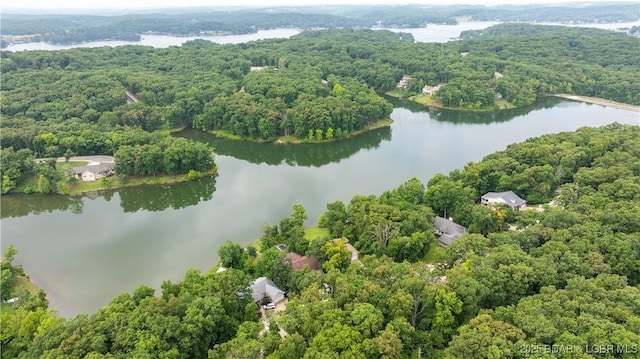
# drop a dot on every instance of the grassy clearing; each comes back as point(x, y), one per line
point(229, 135)
point(24, 282)
point(394, 93)
point(7, 309)
point(287, 140)
point(19, 283)
point(63, 167)
point(504, 104)
point(256, 244)
point(427, 100)
point(315, 233)
point(176, 129)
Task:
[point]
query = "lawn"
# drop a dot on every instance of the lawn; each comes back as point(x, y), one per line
point(427, 100)
point(315, 233)
point(19, 283)
point(7, 308)
point(114, 182)
point(24, 282)
point(64, 166)
point(504, 104)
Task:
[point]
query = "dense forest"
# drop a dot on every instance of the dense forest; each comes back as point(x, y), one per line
point(560, 282)
point(66, 29)
point(317, 86)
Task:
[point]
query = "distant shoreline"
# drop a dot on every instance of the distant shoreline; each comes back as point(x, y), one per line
point(600, 101)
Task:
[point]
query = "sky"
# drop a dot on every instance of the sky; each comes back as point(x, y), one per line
point(150, 4)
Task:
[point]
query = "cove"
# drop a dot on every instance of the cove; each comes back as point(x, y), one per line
point(83, 251)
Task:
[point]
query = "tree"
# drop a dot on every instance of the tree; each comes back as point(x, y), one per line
point(336, 255)
point(293, 346)
point(334, 219)
point(486, 337)
point(9, 253)
point(231, 255)
point(448, 198)
point(443, 323)
point(367, 319)
point(141, 293)
point(274, 265)
point(43, 185)
point(389, 345)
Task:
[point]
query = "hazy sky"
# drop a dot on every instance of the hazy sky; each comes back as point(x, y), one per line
point(148, 4)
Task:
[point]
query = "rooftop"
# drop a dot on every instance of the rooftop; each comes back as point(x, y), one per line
point(512, 199)
point(298, 261)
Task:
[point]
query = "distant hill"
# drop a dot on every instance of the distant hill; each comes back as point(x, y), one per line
point(77, 28)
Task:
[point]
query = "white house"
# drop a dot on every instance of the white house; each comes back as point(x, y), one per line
point(94, 172)
point(404, 82)
point(509, 198)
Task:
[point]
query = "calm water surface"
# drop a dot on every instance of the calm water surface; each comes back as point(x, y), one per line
point(84, 251)
point(161, 41)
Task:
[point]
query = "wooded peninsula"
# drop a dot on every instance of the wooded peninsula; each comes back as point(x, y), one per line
point(317, 86)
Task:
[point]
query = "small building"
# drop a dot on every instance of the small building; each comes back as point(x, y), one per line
point(404, 82)
point(131, 98)
point(94, 172)
point(509, 198)
point(428, 90)
point(355, 255)
point(447, 231)
point(299, 261)
point(263, 288)
point(497, 75)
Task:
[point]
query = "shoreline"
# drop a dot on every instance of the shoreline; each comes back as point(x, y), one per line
point(599, 101)
point(292, 140)
point(143, 182)
point(579, 98)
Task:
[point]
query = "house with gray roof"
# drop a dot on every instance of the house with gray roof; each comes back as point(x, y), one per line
point(264, 287)
point(447, 231)
point(509, 198)
point(94, 172)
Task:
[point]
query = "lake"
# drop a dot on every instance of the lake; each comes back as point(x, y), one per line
point(431, 33)
point(84, 251)
point(160, 41)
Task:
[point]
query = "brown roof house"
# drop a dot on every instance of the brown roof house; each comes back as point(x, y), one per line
point(298, 261)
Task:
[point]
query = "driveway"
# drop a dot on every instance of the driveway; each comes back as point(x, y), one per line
point(93, 160)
